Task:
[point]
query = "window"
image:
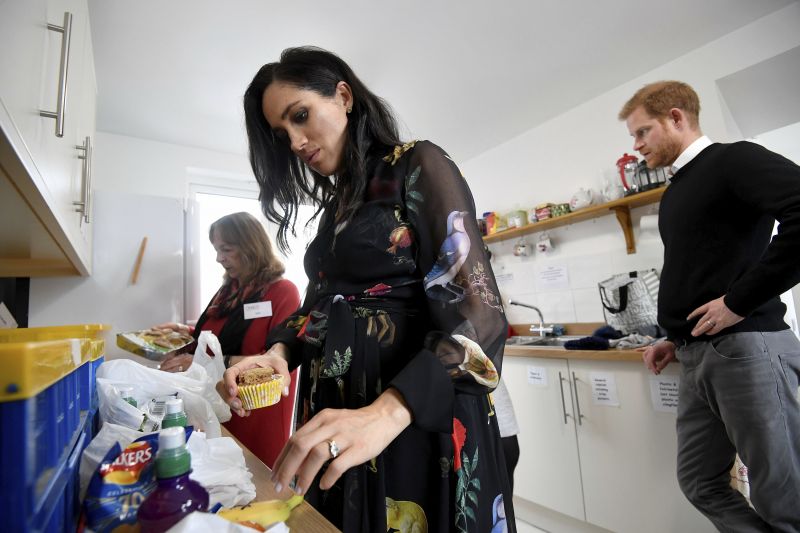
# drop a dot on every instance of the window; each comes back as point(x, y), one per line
point(203, 274)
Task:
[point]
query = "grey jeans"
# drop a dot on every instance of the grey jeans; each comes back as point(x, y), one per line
point(738, 393)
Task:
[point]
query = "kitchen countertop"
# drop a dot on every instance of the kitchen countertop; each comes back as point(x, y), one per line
point(562, 353)
point(304, 517)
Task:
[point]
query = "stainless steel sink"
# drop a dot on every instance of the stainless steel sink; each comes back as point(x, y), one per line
point(544, 342)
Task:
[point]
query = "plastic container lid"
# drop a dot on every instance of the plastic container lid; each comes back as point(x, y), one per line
point(171, 438)
point(30, 367)
point(125, 392)
point(174, 406)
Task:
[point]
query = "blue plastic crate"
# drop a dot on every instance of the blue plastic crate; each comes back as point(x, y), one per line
point(43, 434)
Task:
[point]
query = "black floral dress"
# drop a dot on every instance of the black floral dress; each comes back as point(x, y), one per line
point(403, 296)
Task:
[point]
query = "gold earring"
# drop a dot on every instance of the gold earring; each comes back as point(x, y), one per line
point(349, 110)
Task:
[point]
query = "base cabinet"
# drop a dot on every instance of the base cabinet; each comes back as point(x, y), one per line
point(611, 466)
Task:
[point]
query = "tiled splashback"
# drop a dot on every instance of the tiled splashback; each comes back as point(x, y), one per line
point(584, 253)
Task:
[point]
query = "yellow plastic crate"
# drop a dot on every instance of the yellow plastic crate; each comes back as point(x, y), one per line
point(85, 333)
point(31, 367)
point(52, 333)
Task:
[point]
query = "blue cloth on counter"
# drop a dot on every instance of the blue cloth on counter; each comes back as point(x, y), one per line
point(587, 343)
point(608, 332)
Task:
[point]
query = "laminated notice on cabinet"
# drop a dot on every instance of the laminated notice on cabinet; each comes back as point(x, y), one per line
point(604, 389)
point(537, 375)
point(664, 393)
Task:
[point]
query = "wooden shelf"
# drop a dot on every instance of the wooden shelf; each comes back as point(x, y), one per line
point(621, 208)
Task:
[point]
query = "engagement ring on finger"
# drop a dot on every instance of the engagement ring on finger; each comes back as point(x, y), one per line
point(711, 323)
point(333, 448)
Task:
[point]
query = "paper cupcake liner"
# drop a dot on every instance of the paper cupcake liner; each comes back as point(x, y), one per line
point(261, 394)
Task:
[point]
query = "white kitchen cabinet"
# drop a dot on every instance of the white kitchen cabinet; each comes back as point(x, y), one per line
point(622, 459)
point(42, 171)
point(548, 471)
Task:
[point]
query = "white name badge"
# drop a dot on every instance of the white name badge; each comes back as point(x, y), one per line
point(257, 310)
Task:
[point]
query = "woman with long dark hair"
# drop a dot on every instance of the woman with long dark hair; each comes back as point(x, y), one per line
point(401, 333)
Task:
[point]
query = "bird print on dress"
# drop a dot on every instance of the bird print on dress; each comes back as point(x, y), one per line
point(439, 282)
point(499, 515)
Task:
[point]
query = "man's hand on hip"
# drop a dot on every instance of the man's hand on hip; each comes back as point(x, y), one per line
point(714, 317)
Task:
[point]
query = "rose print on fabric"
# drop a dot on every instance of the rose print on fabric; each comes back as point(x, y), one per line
point(378, 289)
point(413, 196)
point(439, 282)
point(400, 237)
point(340, 365)
point(459, 436)
point(467, 489)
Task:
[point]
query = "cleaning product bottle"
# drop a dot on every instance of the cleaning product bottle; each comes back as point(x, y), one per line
point(175, 415)
point(176, 495)
point(126, 393)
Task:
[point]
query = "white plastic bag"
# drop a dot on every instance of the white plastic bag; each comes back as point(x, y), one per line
point(215, 366)
point(193, 386)
point(218, 465)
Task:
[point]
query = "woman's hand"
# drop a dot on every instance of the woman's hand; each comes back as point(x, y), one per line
point(175, 326)
point(177, 363)
point(275, 358)
point(359, 434)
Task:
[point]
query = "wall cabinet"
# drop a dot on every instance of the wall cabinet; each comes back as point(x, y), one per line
point(47, 70)
point(613, 467)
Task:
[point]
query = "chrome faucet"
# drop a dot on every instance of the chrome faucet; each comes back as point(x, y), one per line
point(541, 330)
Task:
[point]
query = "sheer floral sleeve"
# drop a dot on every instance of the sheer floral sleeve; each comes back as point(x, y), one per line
point(464, 348)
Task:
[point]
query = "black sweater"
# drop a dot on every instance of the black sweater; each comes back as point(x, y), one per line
point(715, 220)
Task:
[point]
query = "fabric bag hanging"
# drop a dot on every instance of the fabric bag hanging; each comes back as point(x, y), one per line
point(630, 300)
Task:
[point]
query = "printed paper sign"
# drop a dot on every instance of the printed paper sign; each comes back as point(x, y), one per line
point(537, 375)
point(257, 310)
point(552, 278)
point(664, 393)
point(504, 279)
point(604, 389)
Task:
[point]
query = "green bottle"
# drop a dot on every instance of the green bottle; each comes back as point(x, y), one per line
point(126, 393)
point(175, 416)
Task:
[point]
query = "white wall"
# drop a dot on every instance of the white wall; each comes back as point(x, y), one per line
point(133, 169)
point(579, 149)
point(141, 166)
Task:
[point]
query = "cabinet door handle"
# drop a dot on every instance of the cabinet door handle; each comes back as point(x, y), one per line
point(84, 207)
point(577, 400)
point(66, 31)
point(561, 380)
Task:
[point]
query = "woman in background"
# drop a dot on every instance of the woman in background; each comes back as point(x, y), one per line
point(253, 298)
point(401, 335)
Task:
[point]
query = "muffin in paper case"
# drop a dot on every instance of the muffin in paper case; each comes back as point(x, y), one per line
point(259, 387)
